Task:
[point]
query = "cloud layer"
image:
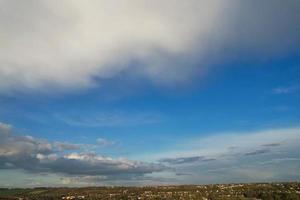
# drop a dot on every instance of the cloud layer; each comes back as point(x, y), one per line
point(183, 160)
point(74, 44)
point(269, 155)
point(36, 156)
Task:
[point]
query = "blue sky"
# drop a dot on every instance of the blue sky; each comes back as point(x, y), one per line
point(129, 103)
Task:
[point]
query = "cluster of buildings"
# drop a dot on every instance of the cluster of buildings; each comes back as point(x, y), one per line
point(73, 197)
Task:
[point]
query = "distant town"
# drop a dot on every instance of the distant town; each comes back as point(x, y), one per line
point(254, 191)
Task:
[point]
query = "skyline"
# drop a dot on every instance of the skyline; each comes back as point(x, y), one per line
point(149, 93)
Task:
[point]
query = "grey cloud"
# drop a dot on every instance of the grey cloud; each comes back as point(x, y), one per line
point(265, 26)
point(4, 128)
point(279, 160)
point(184, 160)
point(184, 174)
point(61, 146)
point(272, 145)
point(39, 156)
point(21, 151)
point(257, 152)
point(232, 148)
point(15, 149)
point(93, 164)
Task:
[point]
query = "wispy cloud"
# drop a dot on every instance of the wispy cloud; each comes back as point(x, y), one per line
point(111, 119)
point(286, 89)
point(257, 152)
point(234, 142)
point(280, 160)
point(272, 145)
point(104, 142)
point(186, 160)
point(236, 157)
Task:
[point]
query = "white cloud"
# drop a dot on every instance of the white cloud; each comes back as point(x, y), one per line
point(104, 142)
point(69, 44)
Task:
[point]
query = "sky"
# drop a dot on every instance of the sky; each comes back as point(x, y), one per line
point(149, 92)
